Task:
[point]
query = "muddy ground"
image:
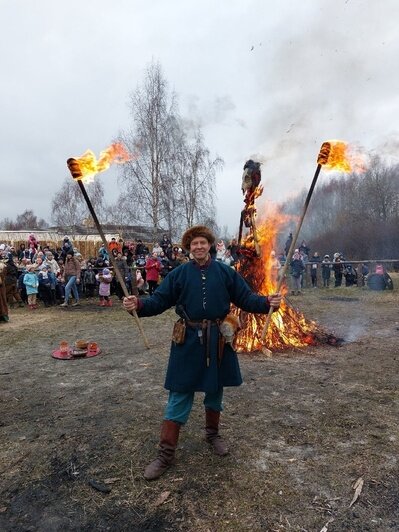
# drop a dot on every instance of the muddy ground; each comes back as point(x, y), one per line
point(302, 429)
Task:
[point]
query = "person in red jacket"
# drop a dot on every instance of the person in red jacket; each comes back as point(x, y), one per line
point(152, 268)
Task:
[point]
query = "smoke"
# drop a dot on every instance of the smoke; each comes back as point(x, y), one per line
point(332, 68)
point(208, 113)
point(356, 330)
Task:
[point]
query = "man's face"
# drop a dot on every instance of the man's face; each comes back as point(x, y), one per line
point(199, 248)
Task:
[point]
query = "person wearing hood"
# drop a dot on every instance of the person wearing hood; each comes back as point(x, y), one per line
point(220, 250)
point(326, 271)
point(297, 269)
point(315, 260)
point(104, 290)
point(66, 247)
point(32, 285)
point(338, 268)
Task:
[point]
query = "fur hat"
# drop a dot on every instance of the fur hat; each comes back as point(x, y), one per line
point(194, 232)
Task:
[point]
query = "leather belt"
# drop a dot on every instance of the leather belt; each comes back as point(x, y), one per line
point(204, 334)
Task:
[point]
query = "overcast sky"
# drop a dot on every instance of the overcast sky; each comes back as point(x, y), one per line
point(267, 79)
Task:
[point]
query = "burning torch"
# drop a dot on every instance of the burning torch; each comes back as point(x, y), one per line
point(86, 166)
point(326, 152)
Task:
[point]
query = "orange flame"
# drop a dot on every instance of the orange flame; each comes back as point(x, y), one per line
point(288, 327)
point(89, 166)
point(343, 157)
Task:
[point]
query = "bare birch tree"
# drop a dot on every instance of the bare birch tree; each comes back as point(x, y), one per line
point(152, 111)
point(170, 183)
point(195, 180)
point(69, 209)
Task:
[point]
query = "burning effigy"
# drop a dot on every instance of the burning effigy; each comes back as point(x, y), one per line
point(287, 327)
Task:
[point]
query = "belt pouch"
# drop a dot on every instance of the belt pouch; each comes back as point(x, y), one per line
point(179, 332)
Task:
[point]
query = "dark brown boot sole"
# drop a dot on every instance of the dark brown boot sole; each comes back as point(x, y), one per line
point(156, 469)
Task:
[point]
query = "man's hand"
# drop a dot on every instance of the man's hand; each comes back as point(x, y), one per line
point(77, 281)
point(275, 300)
point(130, 303)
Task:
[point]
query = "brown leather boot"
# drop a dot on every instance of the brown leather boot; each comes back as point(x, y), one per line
point(212, 432)
point(166, 454)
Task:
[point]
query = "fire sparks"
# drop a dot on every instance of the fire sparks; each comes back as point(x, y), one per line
point(340, 156)
point(87, 166)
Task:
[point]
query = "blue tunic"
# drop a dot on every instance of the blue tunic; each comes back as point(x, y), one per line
point(206, 293)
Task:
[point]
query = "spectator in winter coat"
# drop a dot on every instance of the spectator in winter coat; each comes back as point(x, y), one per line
point(23, 253)
point(288, 243)
point(32, 286)
point(66, 247)
point(89, 281)
point(32, 241)
point(338, 268)
point(152, 268)
point(71, 278)
point(233, 248)
point(326, 271)
point(164, 243)
point(173, 262)
point(125, 271)
point(11, 282)
point(45, 294)
point(163, 259)
point(113, 245)
point(102, 252)
point(297, 269)
point(220, 250)
point(315, 260)
point(157, 249)
point(104, 290)
point(304, 249)
point(350, 275)
point(228, 259)
point(139, 248)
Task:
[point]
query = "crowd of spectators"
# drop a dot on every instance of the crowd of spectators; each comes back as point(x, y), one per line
point(334, 269)
point(37, 273)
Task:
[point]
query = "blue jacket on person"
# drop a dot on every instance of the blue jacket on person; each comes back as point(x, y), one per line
point(206, 293)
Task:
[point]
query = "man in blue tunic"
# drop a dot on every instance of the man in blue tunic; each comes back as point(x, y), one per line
point(202, 291)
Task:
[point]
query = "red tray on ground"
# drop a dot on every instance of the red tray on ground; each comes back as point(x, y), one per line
point(69, 355)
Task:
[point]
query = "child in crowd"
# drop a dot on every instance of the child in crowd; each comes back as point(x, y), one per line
point(32, 283)
point(89, 280)
point(44, 279)
point(104, 291)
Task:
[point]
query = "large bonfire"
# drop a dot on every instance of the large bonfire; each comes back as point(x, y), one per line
point(288, 327)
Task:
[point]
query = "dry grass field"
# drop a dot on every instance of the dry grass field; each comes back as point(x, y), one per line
point(304, 426)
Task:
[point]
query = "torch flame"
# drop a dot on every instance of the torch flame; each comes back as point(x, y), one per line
point(340, 156)
point(89, 166)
